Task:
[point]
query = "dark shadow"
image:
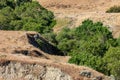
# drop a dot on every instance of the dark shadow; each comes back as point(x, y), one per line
point(24, 52)
point(46, 46)
point(5, 63)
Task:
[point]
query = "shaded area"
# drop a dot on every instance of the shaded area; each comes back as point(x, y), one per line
point(39, 42)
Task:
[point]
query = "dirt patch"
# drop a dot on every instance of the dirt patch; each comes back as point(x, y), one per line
point(18, 42)
point(28, 63)
point(78, 5)
point(79, 10)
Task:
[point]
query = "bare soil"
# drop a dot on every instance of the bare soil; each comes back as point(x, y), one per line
point(10, 41)
point(73, 12)
point(78, 10)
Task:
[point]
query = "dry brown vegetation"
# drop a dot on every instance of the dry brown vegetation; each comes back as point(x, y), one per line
point(18, 40)
point(78, 5)
point(72, 11)
point(79, 10)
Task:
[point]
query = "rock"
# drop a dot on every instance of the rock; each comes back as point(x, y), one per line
point(86, 73)
point(56, 74)
point(111, 77)
point(98, 78)
point(36, 36)
point(24, 71)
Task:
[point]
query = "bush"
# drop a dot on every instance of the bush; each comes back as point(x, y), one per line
point(114, 9)
point(25, 15)
point(112, 58)
point(84, 36)
point(87, 44)
point(51, 38)
point(87, 59)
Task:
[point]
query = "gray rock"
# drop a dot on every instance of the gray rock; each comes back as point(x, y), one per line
point(36, 36)
point(112, 77)
point(23, 71)
point(86, 73)
point(98, 78)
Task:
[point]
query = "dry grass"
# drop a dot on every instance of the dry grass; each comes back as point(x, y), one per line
point(15, 39)
point(11, 41)
point(79, 10)
point(61, 22)
point(70, 69)
point(79, 5)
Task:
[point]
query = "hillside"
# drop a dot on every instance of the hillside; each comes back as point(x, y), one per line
point(78, 5)
point(19, 42)
point(72, 13)
point(25, 54)
point(17, 55)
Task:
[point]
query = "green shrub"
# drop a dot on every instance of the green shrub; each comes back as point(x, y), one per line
point(87, 44)
point(51, 38)
point(118, 41)
point(25, 15)
point(84, 36)
point(112, 58)
point(114, 9)
point(87, 59)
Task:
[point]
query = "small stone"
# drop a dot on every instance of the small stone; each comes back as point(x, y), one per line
point(85, 73)
point(98, 78)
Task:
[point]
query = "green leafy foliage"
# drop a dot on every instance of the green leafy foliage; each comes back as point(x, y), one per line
point(91, 44)
point(112, 58)
point(25, 15)
point(51, 38)
point(87, 44)
point(114, 9)
point(87, 59)
point(92, 37)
